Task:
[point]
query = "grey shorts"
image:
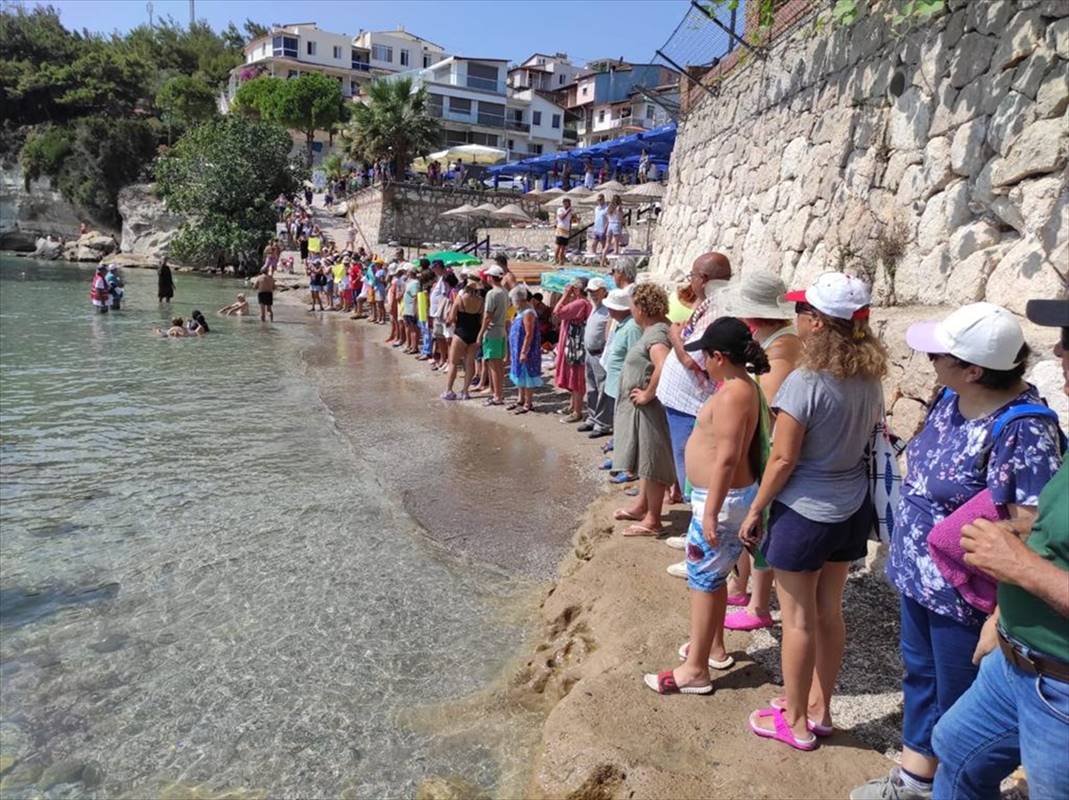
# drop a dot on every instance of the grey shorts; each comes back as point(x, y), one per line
point(439, 329)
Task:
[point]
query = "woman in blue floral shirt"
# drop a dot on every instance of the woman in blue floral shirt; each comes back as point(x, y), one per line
point(979, 355)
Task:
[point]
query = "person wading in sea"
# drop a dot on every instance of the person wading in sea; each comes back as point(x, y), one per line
point(264, 284)
point(165, 286)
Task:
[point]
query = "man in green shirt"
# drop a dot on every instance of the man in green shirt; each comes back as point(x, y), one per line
point(1017, 710)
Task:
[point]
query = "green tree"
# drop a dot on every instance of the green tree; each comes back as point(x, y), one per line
point(393, 125)
point(185, 101)
point(306, 104)
point(223, 176)
point(255, 95)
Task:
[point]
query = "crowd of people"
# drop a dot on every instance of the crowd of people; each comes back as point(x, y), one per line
point(761, 409)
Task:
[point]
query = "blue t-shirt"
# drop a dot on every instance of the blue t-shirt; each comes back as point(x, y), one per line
point(944, 469)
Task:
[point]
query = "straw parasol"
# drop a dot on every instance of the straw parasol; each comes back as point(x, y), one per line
point(460, 211)
point(592, 198)
point(485, 210)
point(646, 192)
point(512, 213)
point(611, 186)
point(548, 193)
point(577, 191)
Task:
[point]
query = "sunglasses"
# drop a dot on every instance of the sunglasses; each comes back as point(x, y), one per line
point(804, 309)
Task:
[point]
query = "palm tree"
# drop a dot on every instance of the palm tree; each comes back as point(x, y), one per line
point(393, 125)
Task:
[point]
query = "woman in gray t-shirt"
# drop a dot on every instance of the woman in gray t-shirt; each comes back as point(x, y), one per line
point(815, 489)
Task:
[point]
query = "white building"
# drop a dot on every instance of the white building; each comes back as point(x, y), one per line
point(398, 50)
point(543, 72)
point(535, 125)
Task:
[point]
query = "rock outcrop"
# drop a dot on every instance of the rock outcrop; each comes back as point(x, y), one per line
point(147, 226)
point(92, 246)
point(28, 214)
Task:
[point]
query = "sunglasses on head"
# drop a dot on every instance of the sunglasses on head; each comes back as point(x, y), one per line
point(804, 308)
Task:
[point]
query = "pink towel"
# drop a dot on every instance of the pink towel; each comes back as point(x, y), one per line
point(944, 545)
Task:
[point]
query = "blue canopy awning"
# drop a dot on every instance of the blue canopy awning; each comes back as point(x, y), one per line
point(657, 142)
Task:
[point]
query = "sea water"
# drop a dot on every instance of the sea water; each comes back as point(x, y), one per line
point(245, 561)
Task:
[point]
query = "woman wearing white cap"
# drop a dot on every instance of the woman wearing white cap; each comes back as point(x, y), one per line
point(979, 355)
point(815, 488)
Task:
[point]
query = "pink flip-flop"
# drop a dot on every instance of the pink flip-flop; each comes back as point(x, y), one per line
point(745, 621)
point(782, 732)
point(815, 728)
point(665, 683)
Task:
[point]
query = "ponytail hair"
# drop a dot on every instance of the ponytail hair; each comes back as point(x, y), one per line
point(756, 358)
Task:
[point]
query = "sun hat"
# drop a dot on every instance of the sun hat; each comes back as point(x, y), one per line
point(980, 333)
point(494, 272)
point(596, 283)
point(836, 294)
point(618, 300)
point(724, 334)
point(1048, 313)
point(757, 296)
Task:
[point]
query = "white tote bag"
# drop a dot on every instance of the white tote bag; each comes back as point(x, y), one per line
point(885, 478)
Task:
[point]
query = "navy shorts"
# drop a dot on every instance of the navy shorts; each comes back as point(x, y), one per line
point(410, 319)
point(799, 544)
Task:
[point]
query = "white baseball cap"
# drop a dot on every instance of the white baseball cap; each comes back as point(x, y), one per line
point(495, 271)
point(618, 300)
point(596, 283)
point(836, 294)
point(980, 333)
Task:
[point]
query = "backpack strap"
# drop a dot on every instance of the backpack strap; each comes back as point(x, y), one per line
point(1022, 411)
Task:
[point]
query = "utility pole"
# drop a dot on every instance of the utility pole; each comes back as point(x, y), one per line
point(149, 7)
point(192, 13)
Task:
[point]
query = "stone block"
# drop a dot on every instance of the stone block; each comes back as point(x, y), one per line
point(910, 119)
point(1036, 198)
point(1009, 119)
point(1029, 74)
point(921, 279)
point(793, 237)
point(1058, 37)
point(935, 56)
point(970, 59)
point(988, 17)
point(943, 117)
point(936, 172)
point(1052, 97)
point(933, 229)
point(972, 237)
point(897, 165)
point(791, 161)
point(1042, 147)
point(968, 149)
point(911, 187)
point(1020, 38)
point(1023, 273)
point(968, 277)
point(1054, 234)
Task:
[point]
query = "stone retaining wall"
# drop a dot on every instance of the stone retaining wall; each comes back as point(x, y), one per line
point(932, 163)
point(411, 213)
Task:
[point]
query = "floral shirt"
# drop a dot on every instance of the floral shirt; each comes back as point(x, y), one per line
point(945, 467)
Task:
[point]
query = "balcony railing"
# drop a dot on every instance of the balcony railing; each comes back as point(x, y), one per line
point(362, 66)
point(571, 133)
point(517, 125)
point(485, 85)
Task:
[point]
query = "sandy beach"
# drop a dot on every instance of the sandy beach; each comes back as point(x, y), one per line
point(612, 614)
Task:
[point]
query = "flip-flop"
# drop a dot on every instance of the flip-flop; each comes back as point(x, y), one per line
point(607, 447)
point(665, 683)
point(493, 402)
point(642, 530)
point(727, 663)
point(632, 492)
point(621, 515)
point(448, 396)
point(815, 728)
point(745, 621)
point(623, 477)
point(782, 732)
point(606, 464)
point(512, 406)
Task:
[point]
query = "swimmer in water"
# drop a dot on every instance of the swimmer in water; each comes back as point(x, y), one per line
point(178, 328)
point(238, 308)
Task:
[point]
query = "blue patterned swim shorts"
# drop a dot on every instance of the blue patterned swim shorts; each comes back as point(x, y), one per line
point(708, 567)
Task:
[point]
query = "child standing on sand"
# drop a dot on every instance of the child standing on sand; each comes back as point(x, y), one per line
point(722, 463)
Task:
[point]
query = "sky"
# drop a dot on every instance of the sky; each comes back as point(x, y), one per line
point(512, 29)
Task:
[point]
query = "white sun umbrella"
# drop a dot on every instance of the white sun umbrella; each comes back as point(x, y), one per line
point(471, 153)
point(611, 186)
point(460, 211)
point(512, 213)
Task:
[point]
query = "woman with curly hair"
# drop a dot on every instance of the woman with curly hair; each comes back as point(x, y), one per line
point(642, 446)
point(815, 487)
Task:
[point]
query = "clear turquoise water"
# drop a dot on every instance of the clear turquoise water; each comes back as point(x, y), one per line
point(221, 557)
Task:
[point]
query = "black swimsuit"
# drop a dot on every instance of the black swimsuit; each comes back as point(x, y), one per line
point(468, 326)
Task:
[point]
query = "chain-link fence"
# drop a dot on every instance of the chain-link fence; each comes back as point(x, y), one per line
point(716, 39)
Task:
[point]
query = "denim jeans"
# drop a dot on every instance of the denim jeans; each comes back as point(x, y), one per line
point(937, 654)
point(1008, 717)
point(680, 426)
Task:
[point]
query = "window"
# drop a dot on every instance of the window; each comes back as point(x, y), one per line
point(601, 115)
point(434, 105)
point(512, 145)
point(649, 112)
point(311, 48)
point(404, 57)
point(536, 117)
point(359, 61)
point(292, 74)
point(584, 90)
point(426, 60)
point(487, 139)
point(556, 121)
point(517, 115)
point(454, 137)
point(534, 149)
point(460, 105)
point(381, 52)
point(284, 46)
point(560, 80)
point(492, 114)
point(482, 76)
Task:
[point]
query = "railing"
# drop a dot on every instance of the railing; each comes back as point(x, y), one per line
point(474, 246)
point(516, 125)
point(485, 85)
point(571, 133)
point(361, 66)
point(491, 120)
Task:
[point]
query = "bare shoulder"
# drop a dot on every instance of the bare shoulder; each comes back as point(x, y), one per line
point(785, 348)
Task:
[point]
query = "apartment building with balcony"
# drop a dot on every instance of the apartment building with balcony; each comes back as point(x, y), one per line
point(399, 50)
point(543, 72)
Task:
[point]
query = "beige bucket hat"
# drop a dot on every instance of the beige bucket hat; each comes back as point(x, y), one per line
point(758, 295)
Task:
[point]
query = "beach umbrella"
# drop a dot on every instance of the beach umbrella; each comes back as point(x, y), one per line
point(548, 193)
point(577, 191)
point(451, 258)
point(471, 153)
point(460, 211)
point(485, 210)
point(646, 192)
point(592, 198)
point(610, 186)
point(511, 212)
